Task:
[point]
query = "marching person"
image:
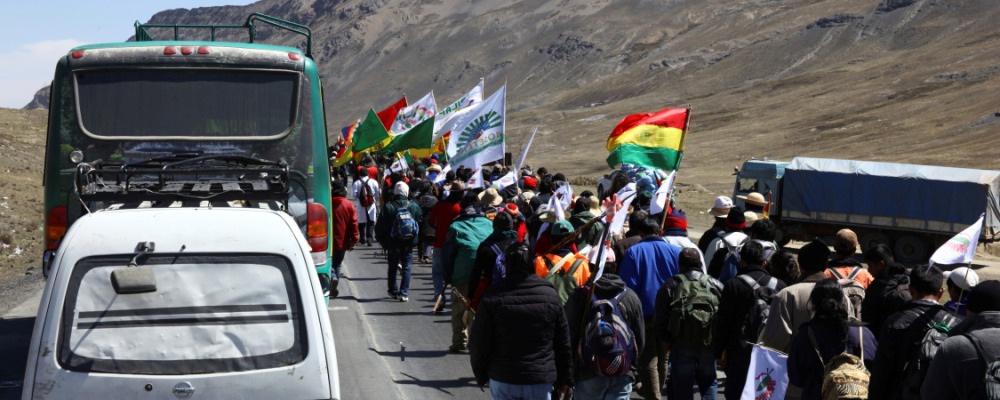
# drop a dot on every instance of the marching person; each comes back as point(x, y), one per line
point(399, 249)
point(345, 232)
point(465, 233)
point(520, 341)
point(366, 194)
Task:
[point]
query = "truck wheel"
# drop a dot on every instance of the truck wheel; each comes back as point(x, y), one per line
point(910, 249)
point(870, 239)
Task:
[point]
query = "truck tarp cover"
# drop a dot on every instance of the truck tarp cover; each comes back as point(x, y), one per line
point(954, 195)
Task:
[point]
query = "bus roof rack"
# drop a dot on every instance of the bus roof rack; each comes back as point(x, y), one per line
point(143, 35)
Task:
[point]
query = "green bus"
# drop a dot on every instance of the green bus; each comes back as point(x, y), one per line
point(180, 122)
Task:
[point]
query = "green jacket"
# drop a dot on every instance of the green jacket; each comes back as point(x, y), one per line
point(590, 236)
point(465, 234)
point(383, 226)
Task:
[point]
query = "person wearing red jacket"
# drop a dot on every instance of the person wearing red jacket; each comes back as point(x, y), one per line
point(442, 214)
point(345, 232)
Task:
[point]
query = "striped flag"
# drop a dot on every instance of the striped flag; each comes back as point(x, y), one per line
point(649, 140)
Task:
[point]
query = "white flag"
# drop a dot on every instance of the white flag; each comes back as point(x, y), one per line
point(473, 97)
point(625, 195)
point(662, 193)
point(479, 134)
point(408, 117)
point(476, 180)
point(506, 181)
point(767, 377)
point(564, 193)
point(524, 154)
point(961, 248)
point(397, 166)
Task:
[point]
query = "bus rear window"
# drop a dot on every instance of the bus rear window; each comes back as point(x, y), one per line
point(209, 313)
point(172, 103)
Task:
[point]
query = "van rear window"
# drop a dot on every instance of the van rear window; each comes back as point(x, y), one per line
point(186, 103)
point(209, 313)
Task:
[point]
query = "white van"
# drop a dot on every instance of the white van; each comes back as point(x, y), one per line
point(183, 303)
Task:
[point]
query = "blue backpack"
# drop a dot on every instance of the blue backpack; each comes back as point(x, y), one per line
point(404, 227)
point(608, 346)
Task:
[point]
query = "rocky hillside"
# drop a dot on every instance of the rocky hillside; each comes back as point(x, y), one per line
point(897, 80)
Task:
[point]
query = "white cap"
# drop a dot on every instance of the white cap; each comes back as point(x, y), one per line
point(721, 206)
point(959, 278)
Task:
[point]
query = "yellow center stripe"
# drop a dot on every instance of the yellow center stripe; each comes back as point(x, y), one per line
point(649, 136)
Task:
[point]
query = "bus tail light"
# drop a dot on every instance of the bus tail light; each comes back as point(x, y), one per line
point(55, 227)
point(317, 229)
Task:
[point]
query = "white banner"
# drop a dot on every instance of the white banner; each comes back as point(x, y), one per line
point(767, 377)
point(961, 248)
point(480, 136)
point(662, 194)
point(443, 174)
point(408, 117)
point(476, 181)
point(473, 97)
point(506, 181)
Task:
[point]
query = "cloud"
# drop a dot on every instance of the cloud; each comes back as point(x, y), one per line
point(25, 70)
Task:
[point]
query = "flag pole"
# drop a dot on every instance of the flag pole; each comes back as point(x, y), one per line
point(961, 290)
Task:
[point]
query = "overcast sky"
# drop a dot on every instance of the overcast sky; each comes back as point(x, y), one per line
point(35, 33)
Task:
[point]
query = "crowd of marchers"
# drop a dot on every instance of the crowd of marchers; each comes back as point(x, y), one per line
point(547, 303)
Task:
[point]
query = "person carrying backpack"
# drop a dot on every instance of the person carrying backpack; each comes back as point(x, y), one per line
point(489, 268)
point(607, 310)
point(721, 247)
point(829, 356)
point(366, 194)
point(684, 314)
point(739, 307)
point(966, 365)
point(398, 231)
point(564, 268)
point(465, 233)
point(911, 337)
point(853, 277)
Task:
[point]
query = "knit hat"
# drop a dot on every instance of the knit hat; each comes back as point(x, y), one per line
point(959, 278)
point(689, 259)
point(401, 189)
point(511, 209)
point(813, 256)
point(561, 229)
point(503, 222)
point(676, 220)
point(736, 219)
point(530, 183)
point(985, 297)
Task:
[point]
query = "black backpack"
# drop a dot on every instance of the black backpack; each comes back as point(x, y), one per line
point(915, 369)
point(991, 381)
point(756, 318)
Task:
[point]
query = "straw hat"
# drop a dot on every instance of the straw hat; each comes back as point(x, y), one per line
point(490, 198)
point(754, 198)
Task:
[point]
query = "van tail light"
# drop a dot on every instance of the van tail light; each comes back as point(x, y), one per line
point(55, 227)
point(317, 230)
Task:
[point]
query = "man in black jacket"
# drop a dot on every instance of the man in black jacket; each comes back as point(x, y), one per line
point(610, 285)
point(903, 332)
point(737, 299)
point(888, 293)
point(484, 270)
point(398, 251)
point(520, 342)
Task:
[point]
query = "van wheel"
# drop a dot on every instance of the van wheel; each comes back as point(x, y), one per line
point(873, 238)
point(910, 249)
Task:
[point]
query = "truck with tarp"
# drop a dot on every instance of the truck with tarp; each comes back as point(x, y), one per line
point(912, 208)
point(180, 118)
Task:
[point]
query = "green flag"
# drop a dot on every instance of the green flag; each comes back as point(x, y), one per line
point(420, 136)
point(370, 132)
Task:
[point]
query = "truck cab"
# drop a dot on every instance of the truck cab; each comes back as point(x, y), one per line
point(761, 176)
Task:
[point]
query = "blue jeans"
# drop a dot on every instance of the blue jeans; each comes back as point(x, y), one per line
point(336, 262)
point(404, 257)
point(437, 271)
point(604, 388)
point(690, 365)
point(508, 391)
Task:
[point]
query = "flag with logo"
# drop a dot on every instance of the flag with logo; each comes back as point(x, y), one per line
point(961, 248)
point(506, 181)
point(767, 377)
point(419, 137)
point(411, 116)
point(388, 115)
point(476, 179)
point(471, 98)
point(480, 136)
point(649, 140)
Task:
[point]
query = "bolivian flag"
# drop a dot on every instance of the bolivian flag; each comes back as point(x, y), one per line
point(650, 140)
